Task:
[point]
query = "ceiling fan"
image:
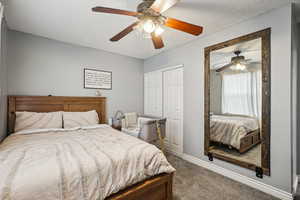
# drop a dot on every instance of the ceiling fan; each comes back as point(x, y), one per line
point(150, 21)
point(238, 62)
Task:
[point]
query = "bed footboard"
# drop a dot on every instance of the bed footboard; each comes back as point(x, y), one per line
point(156, 188)
point(249, 141)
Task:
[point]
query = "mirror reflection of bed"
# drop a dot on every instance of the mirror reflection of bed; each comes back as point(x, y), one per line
point(235, 101)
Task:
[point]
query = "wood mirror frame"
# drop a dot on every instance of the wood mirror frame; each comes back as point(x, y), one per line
point(265, 36)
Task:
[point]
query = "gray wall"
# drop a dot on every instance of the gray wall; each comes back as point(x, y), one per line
point(294, 82)
point(192, 56)
point(3, 82)
point(38, 66)
point(298, 104)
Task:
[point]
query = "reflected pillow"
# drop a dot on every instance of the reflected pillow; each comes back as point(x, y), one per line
point(79, 119)
point(34, 120)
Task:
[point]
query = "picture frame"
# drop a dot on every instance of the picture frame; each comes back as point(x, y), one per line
point(97, 79)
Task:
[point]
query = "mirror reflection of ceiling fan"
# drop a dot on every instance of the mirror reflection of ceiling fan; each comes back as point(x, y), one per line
point(238, 63)
point(151, 22)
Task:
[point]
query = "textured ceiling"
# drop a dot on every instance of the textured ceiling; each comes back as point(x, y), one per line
point(73, 22)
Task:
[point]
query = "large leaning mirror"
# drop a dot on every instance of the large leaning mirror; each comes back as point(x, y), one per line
point(237, 101)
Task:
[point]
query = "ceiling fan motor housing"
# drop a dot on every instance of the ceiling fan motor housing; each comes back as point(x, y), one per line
point(145, 5)
point(146, 13)
point(237, 58)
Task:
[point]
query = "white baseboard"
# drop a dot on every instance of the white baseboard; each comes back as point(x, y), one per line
point(240, 178)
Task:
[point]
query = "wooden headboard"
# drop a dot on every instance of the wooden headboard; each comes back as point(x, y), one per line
point(52, 104)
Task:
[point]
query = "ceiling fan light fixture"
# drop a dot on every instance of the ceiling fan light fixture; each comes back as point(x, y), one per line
point(159, 30)
point(148, 26)
point(140, 31)
point(238, 67)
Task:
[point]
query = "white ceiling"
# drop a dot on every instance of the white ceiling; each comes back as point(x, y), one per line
point(73, 22)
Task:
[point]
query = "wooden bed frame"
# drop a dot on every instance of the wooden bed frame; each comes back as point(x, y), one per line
point(250, 140)
point(156, 188)
point(246, 143)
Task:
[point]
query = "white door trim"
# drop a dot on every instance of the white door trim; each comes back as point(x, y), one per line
point(168, 68)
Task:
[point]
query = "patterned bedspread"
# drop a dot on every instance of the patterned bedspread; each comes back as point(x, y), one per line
point(84, 163)
point(229, 129)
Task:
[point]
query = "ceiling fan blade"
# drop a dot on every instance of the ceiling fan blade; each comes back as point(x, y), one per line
point(157, 41)
point(163, 5)
point(123, 33)
point(184, 26)
point(224, 67)
point(254, 63)
point(114, 11)
point(246, 61)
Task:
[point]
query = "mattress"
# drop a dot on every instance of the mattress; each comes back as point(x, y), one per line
point(86, 163)
point(229, 129)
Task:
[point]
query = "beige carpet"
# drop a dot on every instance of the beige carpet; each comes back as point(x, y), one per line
point(192, 182)
point(252, 156)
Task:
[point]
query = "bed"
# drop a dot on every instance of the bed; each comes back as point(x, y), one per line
point(95, 162)
point(239, 132)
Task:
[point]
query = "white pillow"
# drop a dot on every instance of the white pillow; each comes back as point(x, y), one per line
point(34, 120)
point(79, 119)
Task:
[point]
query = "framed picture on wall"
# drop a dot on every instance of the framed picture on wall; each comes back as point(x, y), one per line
point(97, 79)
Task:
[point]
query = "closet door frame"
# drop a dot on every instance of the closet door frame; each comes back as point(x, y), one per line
point(162, 70)
point(180, 148)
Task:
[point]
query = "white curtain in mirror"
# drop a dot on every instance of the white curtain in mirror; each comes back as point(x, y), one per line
point(241, 93)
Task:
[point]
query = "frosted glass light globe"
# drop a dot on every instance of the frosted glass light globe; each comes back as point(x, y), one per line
point(159, 30)
point(239, 66)
point(149, 26)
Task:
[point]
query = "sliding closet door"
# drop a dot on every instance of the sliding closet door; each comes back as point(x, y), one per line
point(153, 93)
point(173, 109)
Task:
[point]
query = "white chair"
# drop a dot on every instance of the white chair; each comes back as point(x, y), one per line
point(147, 128)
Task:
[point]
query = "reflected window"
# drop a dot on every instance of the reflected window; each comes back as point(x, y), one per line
point(241, 93)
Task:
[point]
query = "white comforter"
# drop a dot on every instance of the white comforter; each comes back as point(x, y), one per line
point(229, 129)
point(83, 163)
